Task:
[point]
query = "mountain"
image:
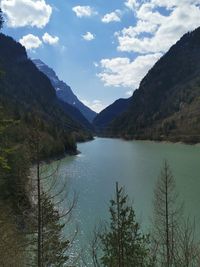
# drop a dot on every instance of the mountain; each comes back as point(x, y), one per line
point(104, 118)
point(28, 97)
point(76, 115)
point(63, 91)
point(167, 104)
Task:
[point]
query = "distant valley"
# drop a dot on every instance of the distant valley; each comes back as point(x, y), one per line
point(105, 117)
point(167, 104)
point(64, 92)
point(28, 97)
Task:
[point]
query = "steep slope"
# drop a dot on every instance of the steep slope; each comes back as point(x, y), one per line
point(167, 104)
point(63, 91)
point(104, 118)
point(76, 115)
point(27, 96)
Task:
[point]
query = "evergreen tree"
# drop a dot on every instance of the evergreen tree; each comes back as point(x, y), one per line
point(54, 246)
point(3, 149)
point(123, 244)
point(12, 249)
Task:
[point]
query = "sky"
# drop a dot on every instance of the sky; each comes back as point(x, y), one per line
point(101, 48)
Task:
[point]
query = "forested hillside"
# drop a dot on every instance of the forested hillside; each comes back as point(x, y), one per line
point(166, 105)
point(104, 118)
point(34, 126)
point(27, 96)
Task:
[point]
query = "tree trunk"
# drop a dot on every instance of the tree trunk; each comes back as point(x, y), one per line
point(118, 226)
point(39, 243)
point(167, 219)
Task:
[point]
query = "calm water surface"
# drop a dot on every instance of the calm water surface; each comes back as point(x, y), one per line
point(135, 165)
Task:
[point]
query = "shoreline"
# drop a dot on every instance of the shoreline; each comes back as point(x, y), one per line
point(167, 141)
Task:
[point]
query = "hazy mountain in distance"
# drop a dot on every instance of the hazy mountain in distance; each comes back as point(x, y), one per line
point(104, 118)
point(28, 97)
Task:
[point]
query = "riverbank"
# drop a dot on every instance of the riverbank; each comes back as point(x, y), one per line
point(183, 139)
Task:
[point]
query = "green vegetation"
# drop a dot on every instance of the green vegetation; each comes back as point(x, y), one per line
point(55, 246)
point(31, 229)
point(172, 241)
point(29, 109)
point(14, 200)
point(3, 150)
point(173, 234)
point(34, 126)
point(33, 222)
point(50, 245)
point(123, 244)
point(105, 117)
point(12, 250)
point(166, 105)
point(27, 96)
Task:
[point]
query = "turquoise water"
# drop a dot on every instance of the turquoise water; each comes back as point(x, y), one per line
point(135, 165)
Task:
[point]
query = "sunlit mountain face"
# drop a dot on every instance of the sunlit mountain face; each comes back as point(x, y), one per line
point(99, 133)
point(64, 92)
point(102, 49)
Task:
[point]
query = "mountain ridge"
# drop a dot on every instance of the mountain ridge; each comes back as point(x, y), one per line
point(167, 95)
point(104, 118)
point(64, 91)
point(27, 96)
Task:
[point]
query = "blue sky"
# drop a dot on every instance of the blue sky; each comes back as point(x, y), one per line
point(101, 48)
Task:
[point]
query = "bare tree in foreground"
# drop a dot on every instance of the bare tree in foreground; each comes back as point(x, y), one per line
point(173, 237)
point(53, 213)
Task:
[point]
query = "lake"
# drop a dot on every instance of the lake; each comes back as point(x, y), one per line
point(136, 166)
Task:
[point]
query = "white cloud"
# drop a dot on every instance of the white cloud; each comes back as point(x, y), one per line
point(22, 13)
point(129, 93)
point(30, 41)
point(112, 17)
point(84, 11)
point(163, 30)
point(96, 64)
point(153, 34)
point(132, 4)
point(88, 36)
point(49, 39)
point(124, 72)
point(174, 3)
point(95, 105)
